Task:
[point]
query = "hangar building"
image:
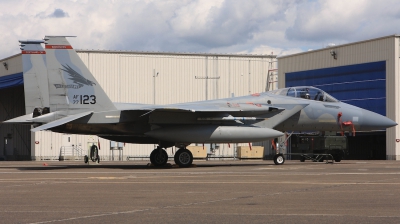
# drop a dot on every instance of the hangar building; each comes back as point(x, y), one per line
point(139, 77)
point(364, 74)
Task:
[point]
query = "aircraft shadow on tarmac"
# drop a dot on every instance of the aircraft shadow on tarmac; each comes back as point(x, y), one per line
point(126, 166)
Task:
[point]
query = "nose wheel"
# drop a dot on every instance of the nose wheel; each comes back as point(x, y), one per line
point(279, 159)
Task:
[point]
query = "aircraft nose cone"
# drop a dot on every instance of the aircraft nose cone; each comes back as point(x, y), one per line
point(385, 122)
point(373, 121)
point(389, 123)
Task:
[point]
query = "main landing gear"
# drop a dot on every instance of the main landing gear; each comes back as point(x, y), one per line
point(183, 157)
point(158, 157)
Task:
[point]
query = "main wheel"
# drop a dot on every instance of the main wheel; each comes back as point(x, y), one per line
point(159, 157)
point(183, 157)
point(279, 159)
point(152, 156)
point(302, 159)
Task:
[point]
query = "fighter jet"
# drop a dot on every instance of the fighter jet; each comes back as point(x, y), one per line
point(78, 105)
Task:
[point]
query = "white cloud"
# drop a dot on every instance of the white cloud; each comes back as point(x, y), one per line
point(221, 26)
point(343, 20)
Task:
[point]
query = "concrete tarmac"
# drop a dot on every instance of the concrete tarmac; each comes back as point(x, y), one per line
point(211, 192)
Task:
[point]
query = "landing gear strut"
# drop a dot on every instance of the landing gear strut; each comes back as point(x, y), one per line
point(158, 157)
point(279, 159)
point(183, 157)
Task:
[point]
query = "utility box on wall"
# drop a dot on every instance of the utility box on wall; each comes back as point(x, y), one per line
point(244, 152)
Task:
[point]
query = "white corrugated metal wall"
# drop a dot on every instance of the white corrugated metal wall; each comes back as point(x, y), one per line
point(380, 49)
point(162, 79)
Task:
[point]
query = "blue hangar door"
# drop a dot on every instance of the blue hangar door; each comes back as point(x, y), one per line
point(362, 85)
point(15, 139)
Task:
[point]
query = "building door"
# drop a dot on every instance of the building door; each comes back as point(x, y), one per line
point(67, 141)
point(9, 149)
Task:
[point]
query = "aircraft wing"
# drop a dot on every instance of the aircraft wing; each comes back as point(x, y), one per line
point(242, 107)
point(283, 116)
point(200, 113)
point(270, 116)
point(195, 113)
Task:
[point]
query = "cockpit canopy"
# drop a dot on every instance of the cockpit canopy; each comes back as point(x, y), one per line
point(305, 92)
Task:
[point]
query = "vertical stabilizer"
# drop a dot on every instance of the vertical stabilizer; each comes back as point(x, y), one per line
point(35, 77)
point(72, 86)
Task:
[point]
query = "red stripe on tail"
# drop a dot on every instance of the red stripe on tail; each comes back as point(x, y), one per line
point(59, 47)
point(33, 52)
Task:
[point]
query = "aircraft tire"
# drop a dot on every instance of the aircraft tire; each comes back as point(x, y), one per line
point(86, 159)
point(279, 159)
point(183, 157)
point(94, 153)
point(302, 159)
point(152, 156)
point(337, 158)
point(176, 158)
point(159, 159)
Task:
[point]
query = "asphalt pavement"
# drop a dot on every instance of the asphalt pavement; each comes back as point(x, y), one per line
point(209, 192)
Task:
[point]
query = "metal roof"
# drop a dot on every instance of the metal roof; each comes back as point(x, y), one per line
point(164, 53)
point(177, 53)
point(336, 46)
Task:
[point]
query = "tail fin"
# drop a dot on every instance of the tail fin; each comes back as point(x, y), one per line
point(72, 87)
point(35, 77)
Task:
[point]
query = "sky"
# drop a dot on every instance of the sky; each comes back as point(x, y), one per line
point(279, 27)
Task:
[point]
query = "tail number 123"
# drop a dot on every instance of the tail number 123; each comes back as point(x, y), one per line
point(84, 99)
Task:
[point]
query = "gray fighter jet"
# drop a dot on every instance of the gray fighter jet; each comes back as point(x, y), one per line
point(77, 104)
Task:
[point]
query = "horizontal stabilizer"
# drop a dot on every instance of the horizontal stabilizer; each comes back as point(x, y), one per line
point(61, 121)
point(25, 119)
